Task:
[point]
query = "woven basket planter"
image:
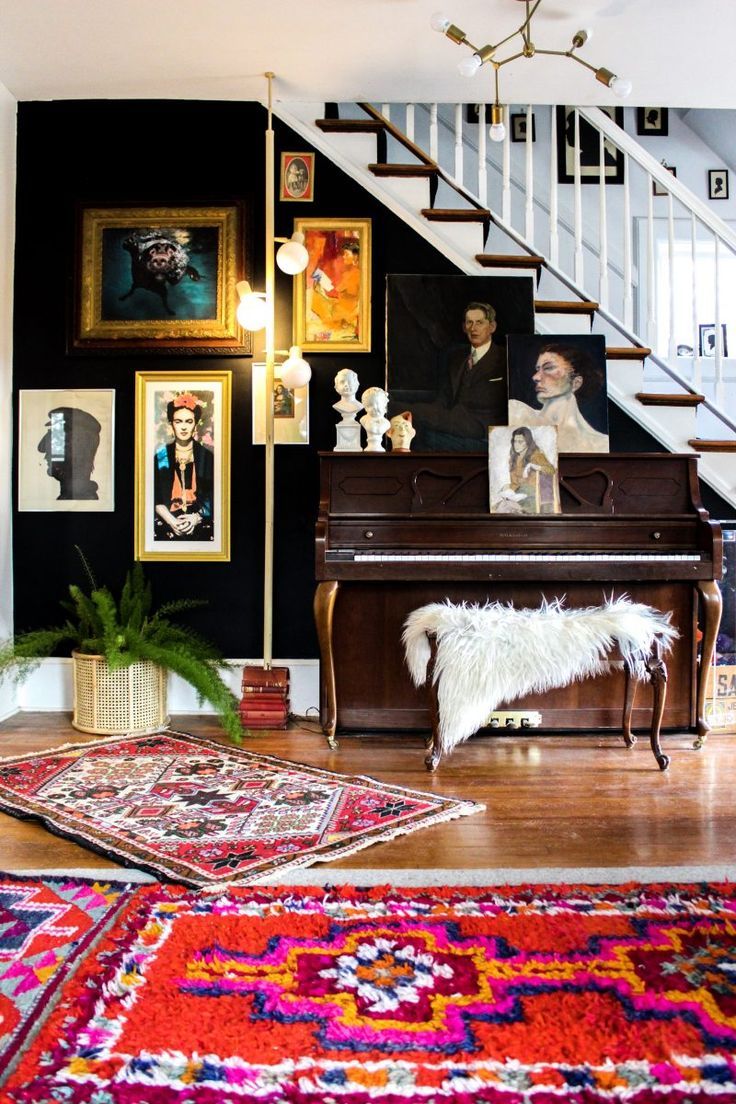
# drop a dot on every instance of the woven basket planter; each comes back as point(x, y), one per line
point(131, 700)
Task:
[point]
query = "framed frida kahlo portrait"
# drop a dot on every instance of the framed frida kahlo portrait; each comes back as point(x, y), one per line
point(160, 279)
point(65, 450)
point(332, 297)
point(182, 465)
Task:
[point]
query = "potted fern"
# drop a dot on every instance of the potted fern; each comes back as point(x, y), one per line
point(122, 652)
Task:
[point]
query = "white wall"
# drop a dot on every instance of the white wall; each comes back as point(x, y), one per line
point(7, 242)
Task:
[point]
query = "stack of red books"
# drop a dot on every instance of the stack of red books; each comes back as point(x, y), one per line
point(265, 701)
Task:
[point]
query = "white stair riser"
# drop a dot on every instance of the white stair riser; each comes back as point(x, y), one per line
point(562, 323)
point(413, 191)
point(626, 376)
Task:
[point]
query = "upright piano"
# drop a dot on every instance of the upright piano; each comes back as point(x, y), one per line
point(398, 530)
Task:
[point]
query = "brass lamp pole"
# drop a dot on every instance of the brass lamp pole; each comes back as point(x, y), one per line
point(269, 459)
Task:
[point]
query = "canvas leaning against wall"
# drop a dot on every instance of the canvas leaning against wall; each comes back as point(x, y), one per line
point(560, 380)
point(446, 353)
point(182, 466)
point(65, 451)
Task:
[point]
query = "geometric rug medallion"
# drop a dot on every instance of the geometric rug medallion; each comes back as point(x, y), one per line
point(190, 810)
point(514, 995)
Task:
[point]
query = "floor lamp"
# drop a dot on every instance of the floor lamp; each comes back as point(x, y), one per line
point(256, 311)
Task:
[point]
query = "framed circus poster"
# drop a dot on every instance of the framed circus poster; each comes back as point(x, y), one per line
point(332, 297)
point(159, 279)
point(182, 465)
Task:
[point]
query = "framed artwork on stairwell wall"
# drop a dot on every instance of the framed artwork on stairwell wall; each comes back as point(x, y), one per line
point(652, 121)
point(717, 183)
point(590, 172)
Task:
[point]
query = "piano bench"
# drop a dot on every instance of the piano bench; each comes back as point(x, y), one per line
point(475, 657)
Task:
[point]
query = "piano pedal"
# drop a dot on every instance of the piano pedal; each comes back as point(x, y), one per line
point(514, 719)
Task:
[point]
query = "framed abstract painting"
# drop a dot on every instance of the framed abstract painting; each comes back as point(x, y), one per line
point(332, 297)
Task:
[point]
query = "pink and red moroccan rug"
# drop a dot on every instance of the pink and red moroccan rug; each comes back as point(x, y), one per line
point(521, 995)
point(190, 810)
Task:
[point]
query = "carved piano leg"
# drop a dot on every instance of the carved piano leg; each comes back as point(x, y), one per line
point(710, 596)
point(324, 608)
point(629, 697)
point(657, 670)
point(432, 760)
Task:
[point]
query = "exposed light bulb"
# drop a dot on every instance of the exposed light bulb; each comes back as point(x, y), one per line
point(295, 372)
point(621, 87)
point(469, 66)
point(497, 132)
point(251, 312)
point(581, 37)
point(292, 257)
point(439, 22)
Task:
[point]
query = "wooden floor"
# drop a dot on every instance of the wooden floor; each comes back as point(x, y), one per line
point(562, 802)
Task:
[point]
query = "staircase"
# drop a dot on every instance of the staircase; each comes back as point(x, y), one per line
point(563, 241)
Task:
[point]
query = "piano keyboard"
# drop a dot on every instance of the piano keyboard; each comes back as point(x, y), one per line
point(511, 557)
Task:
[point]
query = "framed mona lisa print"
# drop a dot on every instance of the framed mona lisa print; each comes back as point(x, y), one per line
point(182, 465)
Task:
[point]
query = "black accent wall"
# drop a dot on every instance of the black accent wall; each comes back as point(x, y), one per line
point(178, 153)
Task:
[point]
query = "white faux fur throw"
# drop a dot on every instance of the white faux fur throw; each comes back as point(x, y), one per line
point(495, 653)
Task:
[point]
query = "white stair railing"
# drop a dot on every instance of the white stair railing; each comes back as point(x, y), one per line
point(612, 233)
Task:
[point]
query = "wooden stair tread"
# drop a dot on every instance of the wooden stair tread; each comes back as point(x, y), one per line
point(349, 126)
point(512, 260)
point(681, 398)
point(403, 170)
point(461, 214)
point(628, 352)
point(565, 306)
point(703, 444)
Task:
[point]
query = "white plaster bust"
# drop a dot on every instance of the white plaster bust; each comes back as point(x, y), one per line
point(374, 421)
point(346, 385)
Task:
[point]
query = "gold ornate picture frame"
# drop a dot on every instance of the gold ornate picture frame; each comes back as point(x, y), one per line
point(159, 279)
point(332, 297)
point(182, 465)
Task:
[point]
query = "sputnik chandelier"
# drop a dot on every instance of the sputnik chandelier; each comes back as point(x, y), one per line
point(469, 66)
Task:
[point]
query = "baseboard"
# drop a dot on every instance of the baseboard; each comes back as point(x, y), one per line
point(49, 688)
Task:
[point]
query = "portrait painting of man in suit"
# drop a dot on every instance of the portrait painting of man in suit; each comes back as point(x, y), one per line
point(446, 354)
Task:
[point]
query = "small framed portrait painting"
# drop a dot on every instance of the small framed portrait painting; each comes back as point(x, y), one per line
point(290, 410)
point(159, 279)
point(652, 120)
point(707, 339)
point(182, 465)
point(590, 167)
point(65, 450)
point(659, 189)
point(297, 178)
point(522, 470)
point(519, 127)
point(332, 297)
point(717, 183)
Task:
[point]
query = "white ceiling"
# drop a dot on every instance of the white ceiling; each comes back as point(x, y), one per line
point(676, 52)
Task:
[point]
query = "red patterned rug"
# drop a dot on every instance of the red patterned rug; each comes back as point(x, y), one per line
point(46, 925)
point(208, 815)
point(516, 995)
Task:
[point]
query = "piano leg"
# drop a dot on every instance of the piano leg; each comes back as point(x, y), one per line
point(324, 608)
point(712, 603)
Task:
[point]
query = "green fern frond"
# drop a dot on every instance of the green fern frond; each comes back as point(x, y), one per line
point(87, 569)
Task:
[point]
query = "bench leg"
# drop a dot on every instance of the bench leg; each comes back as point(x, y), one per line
point(658, 677)
point(432, 759)
point(629, 696)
